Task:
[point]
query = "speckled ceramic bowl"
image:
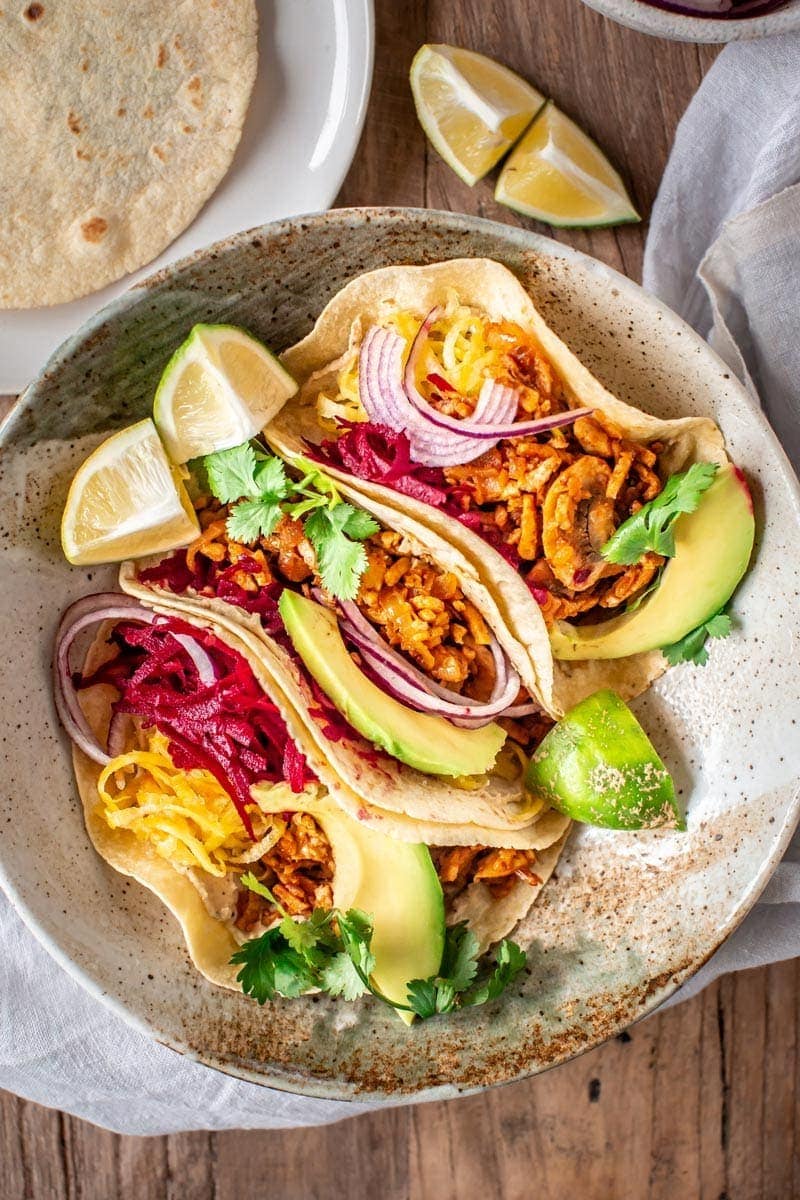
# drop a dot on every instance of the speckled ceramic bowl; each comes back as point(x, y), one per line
point(627, 917)
point(683, 27)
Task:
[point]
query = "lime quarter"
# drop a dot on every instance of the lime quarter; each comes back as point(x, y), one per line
point(597, 765)
point(125, 501)
point(219, 389)
point(558, 175)
point(471, 108)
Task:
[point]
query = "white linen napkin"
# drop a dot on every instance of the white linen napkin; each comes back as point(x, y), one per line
point(724, 251)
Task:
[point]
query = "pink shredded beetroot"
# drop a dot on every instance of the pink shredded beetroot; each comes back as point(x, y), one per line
point(381, 455)
point(229, 727)
point(174, 575)
point(207, 579)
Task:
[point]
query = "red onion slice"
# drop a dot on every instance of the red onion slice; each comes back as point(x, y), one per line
point(206, 670)
point(467, 426)
point(417, 688)
point(90, 610)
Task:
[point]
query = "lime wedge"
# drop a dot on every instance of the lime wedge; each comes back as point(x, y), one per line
point(597, 765)
point(219, 389)
point(560, 176)
point(125, 501)
point(471, 108)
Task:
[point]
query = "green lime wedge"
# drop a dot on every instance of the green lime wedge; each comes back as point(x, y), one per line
point(220, 388)
point(598, 766)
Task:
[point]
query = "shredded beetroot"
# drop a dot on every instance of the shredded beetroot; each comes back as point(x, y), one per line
point(174, 575)
point(230, 727)
point(380, 455)
point(208, 579)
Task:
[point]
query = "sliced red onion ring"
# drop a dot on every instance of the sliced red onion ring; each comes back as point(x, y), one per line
point(417, 689)
point(202, 661)
point(467, 426)
point(385, 402)
point(90, 610)
point(390, 397)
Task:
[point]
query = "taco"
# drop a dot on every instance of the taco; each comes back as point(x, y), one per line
point(397, 662)
point(440, 391)
point(204, 786)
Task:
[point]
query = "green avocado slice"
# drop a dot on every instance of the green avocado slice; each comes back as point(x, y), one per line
point(712, 549)
point(429, 743)
point(598, 766)
point(394, 882)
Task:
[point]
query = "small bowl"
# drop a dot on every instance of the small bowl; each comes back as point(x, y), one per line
point(679, 27)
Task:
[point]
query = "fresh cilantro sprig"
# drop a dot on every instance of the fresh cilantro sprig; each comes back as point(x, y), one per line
point(459, 985)
point(260, 491)
point(651, 527)
point(692, 647)
point(332, 952)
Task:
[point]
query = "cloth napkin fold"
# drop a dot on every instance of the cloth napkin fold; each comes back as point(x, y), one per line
point(724, 251)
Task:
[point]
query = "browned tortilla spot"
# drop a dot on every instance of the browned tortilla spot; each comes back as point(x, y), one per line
point(147, 112)
point(94, 230)
point(34, 11)
point(162, 55)
point(195, 87)
point(73, 123)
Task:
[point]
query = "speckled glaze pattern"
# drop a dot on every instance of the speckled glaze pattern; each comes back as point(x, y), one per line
point(681, 27)
point(627, 917)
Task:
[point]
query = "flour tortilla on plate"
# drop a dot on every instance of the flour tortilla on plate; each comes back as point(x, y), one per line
point(387, 794)
point(192, 897)
point(117, 122)
point(490, 287)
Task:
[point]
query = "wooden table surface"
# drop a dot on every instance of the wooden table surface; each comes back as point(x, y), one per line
point(699, 1102)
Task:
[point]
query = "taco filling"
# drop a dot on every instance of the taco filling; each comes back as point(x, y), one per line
point(441, 391)
point(370, 661)
point(198, 771)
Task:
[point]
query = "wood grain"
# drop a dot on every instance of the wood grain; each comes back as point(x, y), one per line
point(700, 1102)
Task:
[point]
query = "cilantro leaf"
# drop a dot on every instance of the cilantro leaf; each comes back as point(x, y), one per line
point(460, 958)
point(359, 524)
point(692, 647)
point(459, 965)
point(231, 473)
point(312, 938)
point(341, 562)
point(270, 967)
point(264, 491)
point(422, 995)
point(355, 930)
point(341, 977)
point(272, 479)
point(251, 519)
point(510, 960)
point(650, 529)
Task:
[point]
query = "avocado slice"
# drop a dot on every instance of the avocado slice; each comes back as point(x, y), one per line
point(428, 743)
point(598, 766)
point(394, 882)
point(712, 549)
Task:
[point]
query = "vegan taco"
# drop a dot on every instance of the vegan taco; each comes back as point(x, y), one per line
point(203, 786)
point(606, 535)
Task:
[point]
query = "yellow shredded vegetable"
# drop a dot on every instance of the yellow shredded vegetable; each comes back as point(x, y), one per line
point(457, 349)
point(186, 816)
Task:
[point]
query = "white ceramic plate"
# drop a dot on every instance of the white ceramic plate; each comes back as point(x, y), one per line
point(682, 28)
point(301, 132)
